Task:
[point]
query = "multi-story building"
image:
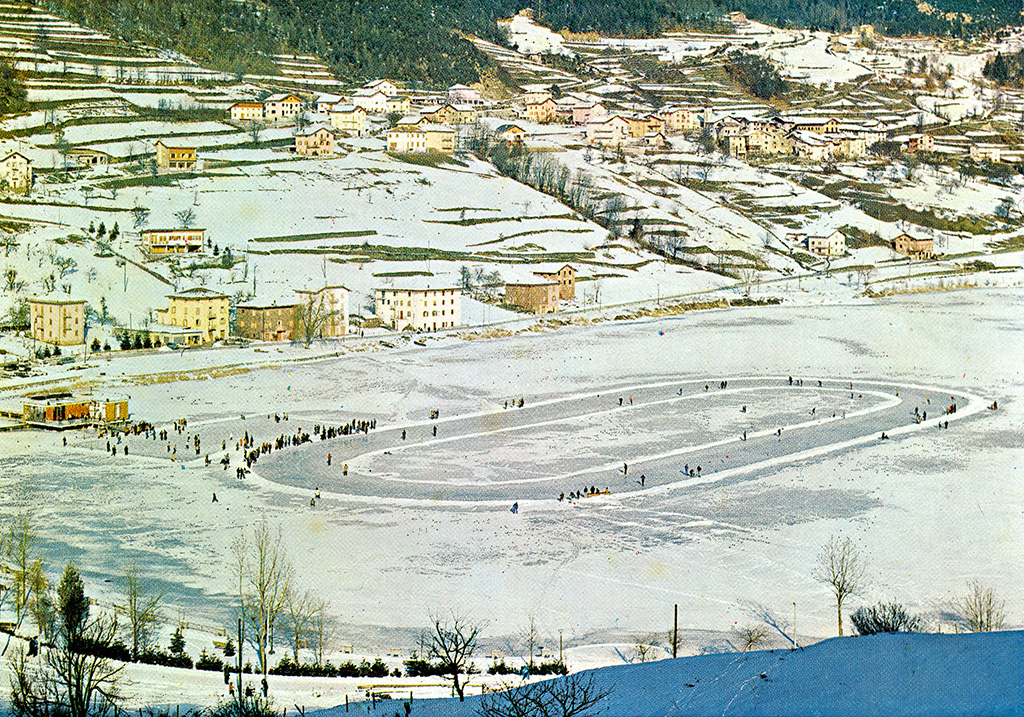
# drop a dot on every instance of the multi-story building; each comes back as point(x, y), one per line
point(400, 104)
point(421, 309)
point(175, 157)
point(324, 310)
point(199, 309)
point(680, 119)
point(325, 101)
point(281, 106)
point(409, 139)
point(55, 321)
point(246, 111)
point(350, 119)
point(451, 114)
point(607, 130)
point(565, 277)
point(16, 172)
point(920, 143)
point(540, 112)
point(912, 247)
point(314, 141)
point(373, 101)
point(539, 296)
point(832, 245)
point(173, 241)
point(581, 114)
point(265, 322)
point(388, 87)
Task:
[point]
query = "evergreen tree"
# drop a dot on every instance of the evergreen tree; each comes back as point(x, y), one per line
point(12, 90)
point(72, 605)
point(177, 647)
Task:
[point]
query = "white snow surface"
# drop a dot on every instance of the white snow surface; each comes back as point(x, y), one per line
point(894, 674)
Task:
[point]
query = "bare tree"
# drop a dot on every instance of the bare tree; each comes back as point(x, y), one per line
point(40, 599)
point(255, 129)
point(140, 215)
point(452, 642)
point(311, 316)
point(751, 636)
point(84, 685)
point(143, 612)
point(322, 630)
point(264, 578)
point(840, 567)
point(186, 217)
point(571, 696)
point(646, 648)
point(299, 613)
point(980, 609)
point(21, 537)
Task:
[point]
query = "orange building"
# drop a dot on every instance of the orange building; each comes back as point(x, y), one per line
point(566, 280)
point(539, 297)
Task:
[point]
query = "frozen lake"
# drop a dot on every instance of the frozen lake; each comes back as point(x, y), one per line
point(424, 524)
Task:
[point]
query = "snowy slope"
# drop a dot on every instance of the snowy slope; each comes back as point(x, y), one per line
point(899, 674)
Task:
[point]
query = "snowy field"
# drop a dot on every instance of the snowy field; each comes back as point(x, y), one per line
point(930, 509)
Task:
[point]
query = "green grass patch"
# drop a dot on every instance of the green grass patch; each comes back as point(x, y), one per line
point(320, 236)
point(493, 220)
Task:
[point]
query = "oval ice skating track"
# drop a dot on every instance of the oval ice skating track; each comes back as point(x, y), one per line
point(548, 459)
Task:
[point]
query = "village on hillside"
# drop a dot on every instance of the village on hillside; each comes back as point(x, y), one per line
point(624, 336)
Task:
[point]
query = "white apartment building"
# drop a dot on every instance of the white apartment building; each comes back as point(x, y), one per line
point(421, 309)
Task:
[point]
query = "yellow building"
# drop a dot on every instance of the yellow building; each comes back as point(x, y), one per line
point(246, 111)
point(450, 114)
point(408, 139)
point(350, 119)
point(173, 241)
point(57, 322)
point(199, 309)
point(540, 112)
point(170, 157)
point(399, 104)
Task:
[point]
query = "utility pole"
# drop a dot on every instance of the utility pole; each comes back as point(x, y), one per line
point(675, 630)
point(239, 661)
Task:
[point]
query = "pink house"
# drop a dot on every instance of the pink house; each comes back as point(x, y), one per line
point(581, 114)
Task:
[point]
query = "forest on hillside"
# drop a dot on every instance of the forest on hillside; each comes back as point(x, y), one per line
point(424, 41)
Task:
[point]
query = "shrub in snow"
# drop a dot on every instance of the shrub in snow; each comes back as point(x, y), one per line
point(885, 617)
point(209, 662)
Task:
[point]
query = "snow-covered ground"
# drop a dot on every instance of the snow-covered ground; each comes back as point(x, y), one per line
point(878, 675)
point(929, 510)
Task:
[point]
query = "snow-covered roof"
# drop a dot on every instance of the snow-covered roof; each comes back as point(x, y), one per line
point(314, 128)
point(198, 292)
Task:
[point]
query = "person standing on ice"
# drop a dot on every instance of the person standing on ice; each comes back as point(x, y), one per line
point(515, 508)
point(328, 459)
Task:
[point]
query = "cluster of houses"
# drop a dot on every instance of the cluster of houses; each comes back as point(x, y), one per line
point(429, 129)
point(201, 316)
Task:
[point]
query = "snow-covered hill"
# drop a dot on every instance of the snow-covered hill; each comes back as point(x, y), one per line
point(897, 674)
